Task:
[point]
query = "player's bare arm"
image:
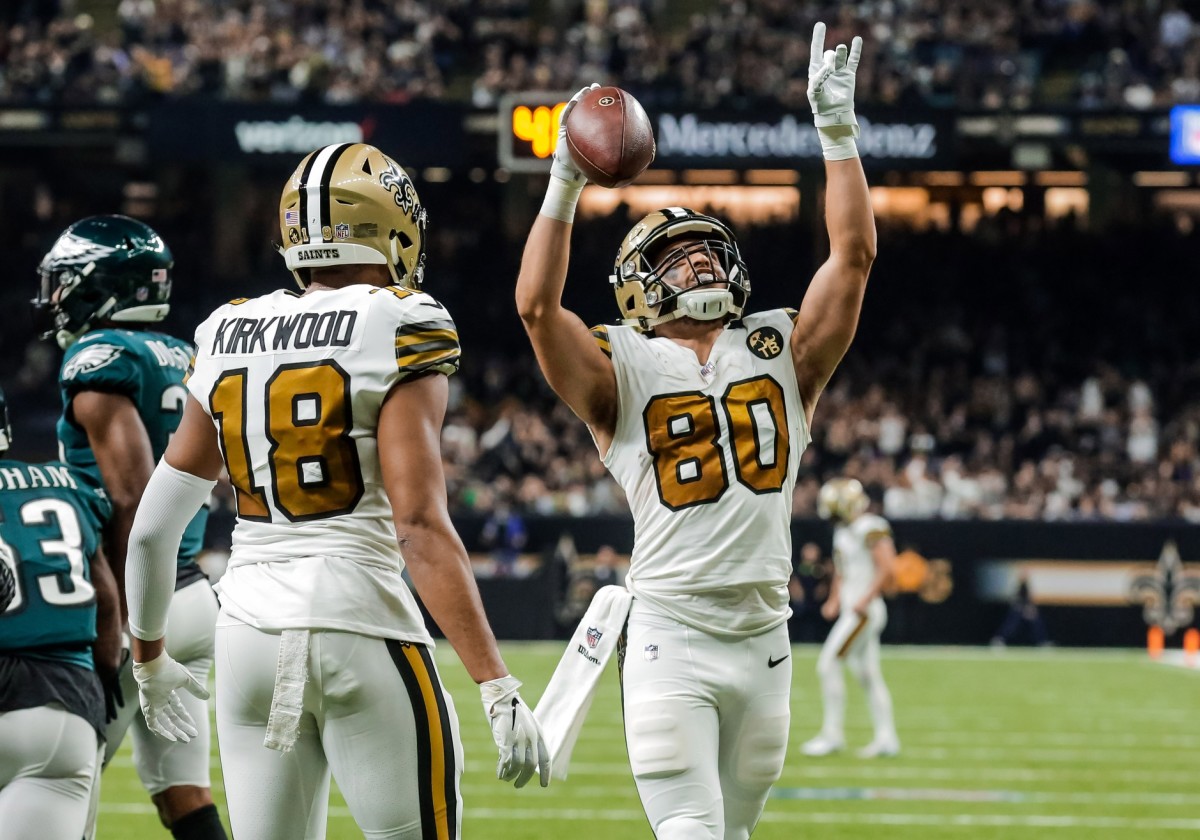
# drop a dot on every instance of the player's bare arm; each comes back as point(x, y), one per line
point(410, 424)
point(572, 362)
point(125, 458)
point(832, 606)
point(569, 356)
point(106, 650)
point(409, 434)
point(194, 447)
point(829, 314)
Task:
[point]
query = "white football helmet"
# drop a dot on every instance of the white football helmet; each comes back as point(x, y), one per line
point(646, 255)
point(843, 499)
point(350, 204)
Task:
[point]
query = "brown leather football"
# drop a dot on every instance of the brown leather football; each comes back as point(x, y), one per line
point(610, 137)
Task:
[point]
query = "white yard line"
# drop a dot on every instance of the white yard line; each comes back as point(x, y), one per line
point(794, 818)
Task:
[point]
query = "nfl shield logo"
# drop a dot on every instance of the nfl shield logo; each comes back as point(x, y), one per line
point(651, 653)
point(341, 231)
point(593, 637)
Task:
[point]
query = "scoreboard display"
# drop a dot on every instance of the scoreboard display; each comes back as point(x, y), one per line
point(528, 129)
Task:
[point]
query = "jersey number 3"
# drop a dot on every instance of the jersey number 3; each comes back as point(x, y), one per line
point(314, 462)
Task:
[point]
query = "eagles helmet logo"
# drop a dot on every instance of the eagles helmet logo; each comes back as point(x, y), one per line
point(70, 246)
point(91, 359)
point(765, 342)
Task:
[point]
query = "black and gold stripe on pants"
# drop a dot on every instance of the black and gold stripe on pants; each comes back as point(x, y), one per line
point(436, 771)
point(858, 628)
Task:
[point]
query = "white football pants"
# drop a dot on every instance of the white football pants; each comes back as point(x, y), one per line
point(48, 761)
point(162, 764)
point(855, 641)
point(374, 712)
point(706, 724)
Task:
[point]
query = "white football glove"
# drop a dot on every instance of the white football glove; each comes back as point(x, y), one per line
point(831, 76)
point(516, 732)
point(158, 681)
point(564, 166)
point(566, 181)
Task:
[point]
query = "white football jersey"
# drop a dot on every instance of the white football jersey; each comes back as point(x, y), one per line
point(708, 459)
point(852, 546)
point(294, 385)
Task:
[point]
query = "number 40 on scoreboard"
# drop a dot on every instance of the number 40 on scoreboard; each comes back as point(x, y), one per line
point(528, 128)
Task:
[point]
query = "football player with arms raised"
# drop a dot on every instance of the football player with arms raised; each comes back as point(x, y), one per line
point(701, 411)
point(104, 282)
point(864, 554)
point(326, 408)
point(60, 645)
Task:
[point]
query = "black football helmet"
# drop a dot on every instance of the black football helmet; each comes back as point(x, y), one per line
point(102, 268)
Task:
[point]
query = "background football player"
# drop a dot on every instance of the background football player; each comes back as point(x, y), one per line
point(863, 557)
point(326, 408)
point(60, 644)
point(103, 282)
point(701, 412)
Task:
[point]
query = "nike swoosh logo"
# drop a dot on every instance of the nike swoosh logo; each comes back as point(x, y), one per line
point(771, 663)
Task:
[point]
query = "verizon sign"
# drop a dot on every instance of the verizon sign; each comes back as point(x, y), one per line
point(276, 135)
point(687, 137)
point(295, 135)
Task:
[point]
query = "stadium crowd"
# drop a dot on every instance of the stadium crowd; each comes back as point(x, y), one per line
point(939, 53)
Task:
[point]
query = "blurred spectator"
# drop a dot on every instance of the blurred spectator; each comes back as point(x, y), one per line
point(808, 589)
point(608, 568)
point(1023, 620)
point(505, 534)
point(939, 53)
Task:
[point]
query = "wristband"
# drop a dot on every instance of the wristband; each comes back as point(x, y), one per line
point(561, 197)
point(837, 148)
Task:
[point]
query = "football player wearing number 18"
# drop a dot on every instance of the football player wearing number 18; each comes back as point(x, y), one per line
point(701, 411)
point(326, 409)
point(105, 280)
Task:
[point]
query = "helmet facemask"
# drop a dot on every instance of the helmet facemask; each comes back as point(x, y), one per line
point(678, 240)
point(712, 296)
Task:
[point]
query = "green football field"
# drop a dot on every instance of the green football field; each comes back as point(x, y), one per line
point(997, 744)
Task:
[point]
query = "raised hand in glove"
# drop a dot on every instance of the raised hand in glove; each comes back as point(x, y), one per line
point(516, 732)
point(158, 682)
point(831, 78)
point(564, 166)
point(566, 181)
